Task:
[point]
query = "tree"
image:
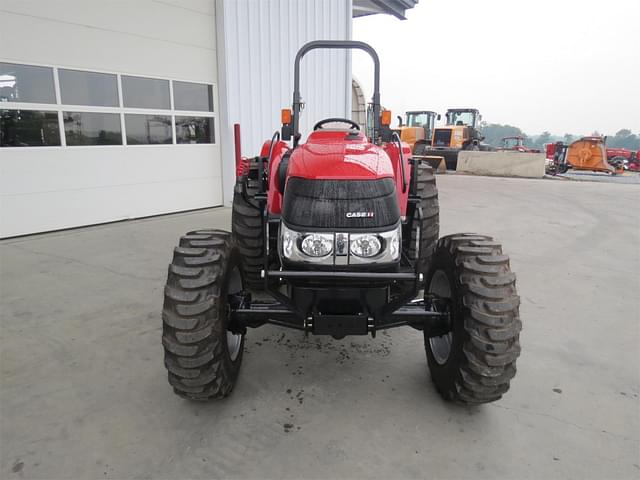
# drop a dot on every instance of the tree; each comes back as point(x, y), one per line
point(542, 139)
point(494, 133)
point(624, 139)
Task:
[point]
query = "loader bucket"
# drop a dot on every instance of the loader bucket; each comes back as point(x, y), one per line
point(437, 163)
point(450, 157)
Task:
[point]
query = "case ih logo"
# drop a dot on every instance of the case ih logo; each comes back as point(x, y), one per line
point(359, 214)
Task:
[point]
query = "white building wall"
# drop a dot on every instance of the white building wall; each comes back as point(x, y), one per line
point(258, 42)
point(168, 38)
point(45, 188)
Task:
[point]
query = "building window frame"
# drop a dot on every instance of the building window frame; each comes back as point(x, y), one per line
point(60, 108)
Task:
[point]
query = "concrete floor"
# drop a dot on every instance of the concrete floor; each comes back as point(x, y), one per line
point(84, 391)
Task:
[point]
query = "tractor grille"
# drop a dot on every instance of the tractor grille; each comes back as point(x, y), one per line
point(340, 204)
point(442, 138)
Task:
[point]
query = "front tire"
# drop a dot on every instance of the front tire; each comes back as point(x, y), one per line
point(475, 362)
point(201, 355)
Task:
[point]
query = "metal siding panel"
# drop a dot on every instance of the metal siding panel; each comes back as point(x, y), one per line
point(260, 43)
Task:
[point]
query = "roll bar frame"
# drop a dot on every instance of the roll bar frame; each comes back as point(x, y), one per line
point(342, 45)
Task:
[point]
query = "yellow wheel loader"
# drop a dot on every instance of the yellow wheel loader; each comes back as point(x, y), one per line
point(417, 127)
point(461, 132)
point(417, 130)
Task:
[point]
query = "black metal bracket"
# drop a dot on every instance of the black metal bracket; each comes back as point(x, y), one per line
point(419, 315)
point(369, 276)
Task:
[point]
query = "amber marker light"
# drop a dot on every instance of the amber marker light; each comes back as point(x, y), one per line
point(385, 117)
point(285, 116)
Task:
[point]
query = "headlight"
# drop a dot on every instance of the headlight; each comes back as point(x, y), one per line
point(317, 244)
point(373, 248)
point(340, 248)
point(305, 247)
point(365, 245)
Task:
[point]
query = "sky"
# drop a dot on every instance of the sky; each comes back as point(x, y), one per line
point(565, 66)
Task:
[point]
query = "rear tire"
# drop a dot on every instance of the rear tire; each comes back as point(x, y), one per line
point(202, 357)
point(428, 228)
point(475, 362)
point(246, 225)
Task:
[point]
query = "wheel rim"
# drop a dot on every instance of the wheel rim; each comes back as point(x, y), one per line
point(440, 346)
point(234, 340)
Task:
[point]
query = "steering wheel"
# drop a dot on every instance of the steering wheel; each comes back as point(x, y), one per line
point(318, 126)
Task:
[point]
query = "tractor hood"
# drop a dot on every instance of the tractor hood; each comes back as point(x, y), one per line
point(340, 181)
point(339, 155)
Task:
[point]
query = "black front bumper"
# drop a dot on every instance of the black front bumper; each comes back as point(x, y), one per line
point(344, 303)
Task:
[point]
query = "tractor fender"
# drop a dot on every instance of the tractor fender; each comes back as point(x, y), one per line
point(281, 175)
point(391, 149)
point(274, 195)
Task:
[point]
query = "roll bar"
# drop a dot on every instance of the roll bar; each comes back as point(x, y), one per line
point(335, 44)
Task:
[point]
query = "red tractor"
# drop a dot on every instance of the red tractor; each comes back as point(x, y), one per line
point(634, 163)
point(516, 144)
point(338, 235)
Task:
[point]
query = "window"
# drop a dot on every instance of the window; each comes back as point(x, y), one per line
point(26, 83)
point(147, 129)
point(88, 88)
point(82, 128)
point(138, 92)
point(93, 108)
point(461, 118)
point(417, 119)
point(29, 128)
point(192, 96)
point(442, 137)
point(194, 130)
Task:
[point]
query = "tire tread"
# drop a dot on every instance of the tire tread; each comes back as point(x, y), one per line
point(193, 332)
point(491, 320)
point(429, 224)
